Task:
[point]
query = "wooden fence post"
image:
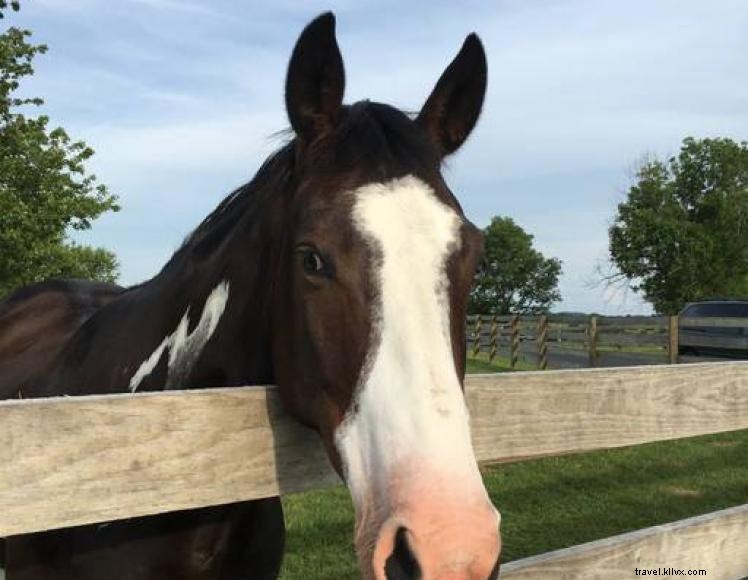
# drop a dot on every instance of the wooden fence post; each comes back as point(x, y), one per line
point(493, 338)
point(592, 337)
point(476, 336)
point(542, 339)
point(672, 343)
point(514, 342)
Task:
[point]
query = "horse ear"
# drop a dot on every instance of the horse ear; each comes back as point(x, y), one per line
point(315, 80)
point(452, 109)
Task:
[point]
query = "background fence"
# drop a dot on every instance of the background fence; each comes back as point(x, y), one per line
point(569, 341)
point(70, 461)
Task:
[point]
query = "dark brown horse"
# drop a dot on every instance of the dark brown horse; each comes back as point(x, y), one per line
point(340, 273)
point(35, 323)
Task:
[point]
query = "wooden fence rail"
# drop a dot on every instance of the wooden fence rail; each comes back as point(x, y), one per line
point(70, 461)
point(660, 336)
point(715, 543)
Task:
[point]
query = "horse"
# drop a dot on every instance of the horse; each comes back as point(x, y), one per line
point(37, 320)
point(339, 273)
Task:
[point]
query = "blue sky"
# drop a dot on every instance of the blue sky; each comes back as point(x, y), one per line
point(181, 100)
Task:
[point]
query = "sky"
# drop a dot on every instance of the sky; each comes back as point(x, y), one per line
point(182, 100)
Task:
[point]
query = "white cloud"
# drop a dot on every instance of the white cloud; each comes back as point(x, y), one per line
point(179, 98)
point(221, 143)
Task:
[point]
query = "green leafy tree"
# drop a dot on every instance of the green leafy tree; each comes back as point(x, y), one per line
point(682, 233)
point(515, 277)
point(45, 191)
point(13, 4)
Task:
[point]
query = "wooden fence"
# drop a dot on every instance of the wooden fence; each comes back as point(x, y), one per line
point(70, 461)
point(654, 337)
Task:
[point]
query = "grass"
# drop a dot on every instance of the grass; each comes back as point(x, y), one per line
point(549, 503)
point(480, 364)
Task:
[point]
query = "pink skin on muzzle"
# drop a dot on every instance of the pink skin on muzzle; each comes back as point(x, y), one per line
point(441, 524)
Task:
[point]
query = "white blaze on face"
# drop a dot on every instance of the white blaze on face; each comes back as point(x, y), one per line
point(184, 347)
point(409, 420)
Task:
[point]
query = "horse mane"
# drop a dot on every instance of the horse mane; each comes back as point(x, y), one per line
point(271, 179)
point(374, 137)
point(241, 205)
point(383, 140)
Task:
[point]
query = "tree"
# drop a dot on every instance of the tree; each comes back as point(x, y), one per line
point(45, 190)
point(14, 5)
point(682, 233)
point(515, 277)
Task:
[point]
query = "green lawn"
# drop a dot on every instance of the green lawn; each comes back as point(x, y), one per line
point(552, 502)
point(499, 364)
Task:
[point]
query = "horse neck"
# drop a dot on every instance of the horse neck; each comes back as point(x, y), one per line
point(220, 311)
point(204, 321)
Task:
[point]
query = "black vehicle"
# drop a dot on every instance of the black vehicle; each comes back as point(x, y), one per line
point(728, 338)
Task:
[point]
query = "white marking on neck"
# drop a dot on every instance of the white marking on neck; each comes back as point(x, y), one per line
point(184, 347)
point(409, 404)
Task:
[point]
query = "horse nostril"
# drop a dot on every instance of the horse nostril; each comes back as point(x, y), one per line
point(402, 563)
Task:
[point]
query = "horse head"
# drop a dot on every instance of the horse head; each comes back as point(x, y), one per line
point(370, 301)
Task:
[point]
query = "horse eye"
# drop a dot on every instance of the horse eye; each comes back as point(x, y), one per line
point(312, 262)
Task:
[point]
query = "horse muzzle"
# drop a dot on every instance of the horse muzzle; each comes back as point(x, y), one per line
point(434, 534)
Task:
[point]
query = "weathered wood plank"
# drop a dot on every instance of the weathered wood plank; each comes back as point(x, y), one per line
point(581, 324)
point(649, 321)
point(571, 330)
point(537, 413)
point(643, 330)
point(631, 339)
point(71, 461)
point(77, 460)
point(715, 542)
point(514, 343)
point(672, 340)
point(573, 340)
